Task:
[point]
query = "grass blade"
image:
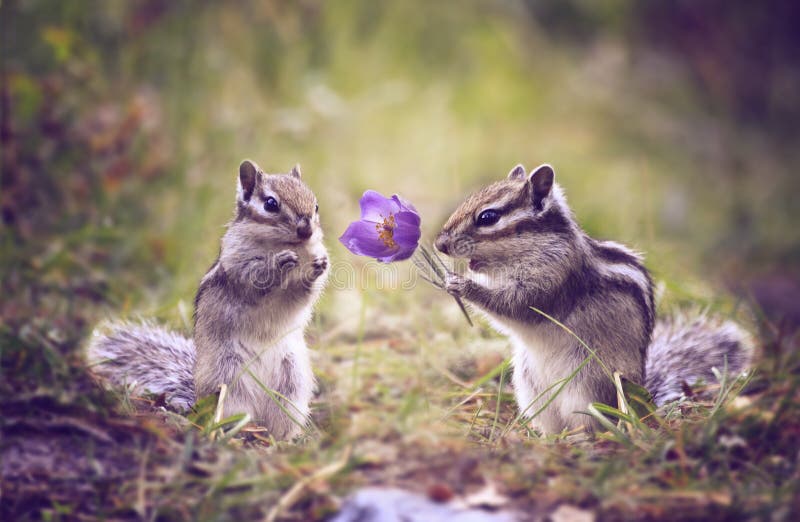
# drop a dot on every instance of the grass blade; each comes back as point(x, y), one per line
point(573, 334)
point(499, 401)
point(277, 398)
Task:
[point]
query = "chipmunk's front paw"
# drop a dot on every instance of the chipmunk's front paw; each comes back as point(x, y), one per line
point(286, 260)
point(455, 284)
point(318, 267)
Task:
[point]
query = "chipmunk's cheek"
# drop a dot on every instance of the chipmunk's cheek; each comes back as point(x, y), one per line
point(461, 246)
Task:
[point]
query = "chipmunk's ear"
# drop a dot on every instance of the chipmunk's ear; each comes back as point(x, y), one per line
point(248, 174)
point(296, 171)
point(541, 183)
point(517, 172)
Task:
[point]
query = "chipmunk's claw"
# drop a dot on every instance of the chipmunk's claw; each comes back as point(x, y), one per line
point(455, 284)
point(319, 266)
point(286, 260)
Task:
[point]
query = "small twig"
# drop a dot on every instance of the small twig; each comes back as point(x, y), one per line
point(72, 422)
point(621, 402)
point(474, 418)
point(450, 375)
point(462, 402)
point(295, 493)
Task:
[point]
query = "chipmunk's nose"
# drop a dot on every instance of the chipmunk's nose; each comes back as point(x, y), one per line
point(442, 243)
point(304, 228)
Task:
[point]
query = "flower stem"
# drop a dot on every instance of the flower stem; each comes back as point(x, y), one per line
point(463, 309)
point(440, 269)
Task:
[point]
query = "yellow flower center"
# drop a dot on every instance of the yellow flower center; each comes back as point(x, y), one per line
point(386, 231)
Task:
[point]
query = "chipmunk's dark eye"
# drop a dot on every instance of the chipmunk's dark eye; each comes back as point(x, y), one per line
point(488, 218)
point(316, 209)
point(271, 205)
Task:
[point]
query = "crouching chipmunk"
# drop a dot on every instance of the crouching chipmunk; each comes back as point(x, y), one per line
point(250, 314)
point(525, 251)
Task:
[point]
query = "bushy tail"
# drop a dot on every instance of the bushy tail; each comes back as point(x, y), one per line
point(685, 349)
point(146, 358)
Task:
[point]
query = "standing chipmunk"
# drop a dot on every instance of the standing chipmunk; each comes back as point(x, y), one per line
point(526, 251)
point(250, 313)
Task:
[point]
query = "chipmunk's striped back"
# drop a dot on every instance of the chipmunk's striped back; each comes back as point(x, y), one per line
point(619, 266)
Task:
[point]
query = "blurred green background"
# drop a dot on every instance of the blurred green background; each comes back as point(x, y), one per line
point(672, 125)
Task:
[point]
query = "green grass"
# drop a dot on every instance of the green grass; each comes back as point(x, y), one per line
point(425, 411)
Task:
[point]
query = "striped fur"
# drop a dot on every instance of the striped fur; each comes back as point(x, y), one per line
point(536, 255)
point(251, 310)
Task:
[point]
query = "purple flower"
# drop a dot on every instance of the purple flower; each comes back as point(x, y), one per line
point(389, 229)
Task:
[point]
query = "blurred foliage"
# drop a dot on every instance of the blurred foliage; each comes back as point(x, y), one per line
point(742, 56)
point(131, 118)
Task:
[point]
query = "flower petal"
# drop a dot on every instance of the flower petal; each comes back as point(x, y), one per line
point(374, 206)
point(408, 219)
point(404, 205)
point(399, 254)
point(407, 232)
point(362, 239)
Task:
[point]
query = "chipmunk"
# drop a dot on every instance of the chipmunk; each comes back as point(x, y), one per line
point(250, 313)
point(526, 251)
